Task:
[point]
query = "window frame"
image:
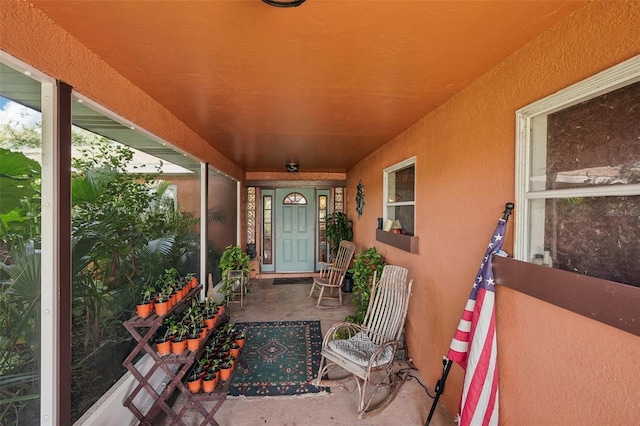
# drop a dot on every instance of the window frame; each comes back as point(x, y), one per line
point(385, 189)
point(618, 76)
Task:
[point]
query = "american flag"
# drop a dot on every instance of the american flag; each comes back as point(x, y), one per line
point(474, 345)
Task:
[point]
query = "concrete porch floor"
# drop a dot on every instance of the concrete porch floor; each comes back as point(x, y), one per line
point(268, 302)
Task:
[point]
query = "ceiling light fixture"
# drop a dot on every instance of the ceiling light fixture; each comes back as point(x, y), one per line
point(284, 3)
point(292, 167)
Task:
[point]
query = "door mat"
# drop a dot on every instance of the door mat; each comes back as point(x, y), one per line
point(300, 280)
point(280, 358)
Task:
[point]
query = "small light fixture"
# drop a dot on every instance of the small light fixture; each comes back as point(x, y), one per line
point(292, 167)
point(284, 3)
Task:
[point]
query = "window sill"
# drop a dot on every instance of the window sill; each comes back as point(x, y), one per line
point(605, 301)
point(402, 242)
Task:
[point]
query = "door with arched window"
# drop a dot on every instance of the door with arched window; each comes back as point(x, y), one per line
point(295, 230)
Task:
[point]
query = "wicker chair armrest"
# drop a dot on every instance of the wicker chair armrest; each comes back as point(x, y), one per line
point(391, 343)
point(350, 328)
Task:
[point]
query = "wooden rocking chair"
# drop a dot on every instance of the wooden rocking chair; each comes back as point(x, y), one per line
point(367, 352)
point(332, 274)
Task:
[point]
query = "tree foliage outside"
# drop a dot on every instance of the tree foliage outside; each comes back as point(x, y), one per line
point(125, 233)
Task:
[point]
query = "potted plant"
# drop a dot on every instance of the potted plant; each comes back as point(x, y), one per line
point(234, 349)
point(163, 344)
point(339, 228)
point(240, 337)
point(209, 381)
point(144, 308)
point(233, 259)
point(366, 262)
point(210, 312)
point(179, 343)
point(194, 381)
point(162, 304)
point(190, 280)
point(226, 368)
point(193, 338)
point(201, 366)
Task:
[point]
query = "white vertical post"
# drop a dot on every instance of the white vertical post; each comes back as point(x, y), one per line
point(49, 315)
point(204, 229)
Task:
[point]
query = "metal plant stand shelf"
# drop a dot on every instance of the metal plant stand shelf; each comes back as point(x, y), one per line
point(174, 366)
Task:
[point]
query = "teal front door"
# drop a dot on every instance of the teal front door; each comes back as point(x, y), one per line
point(295, 231)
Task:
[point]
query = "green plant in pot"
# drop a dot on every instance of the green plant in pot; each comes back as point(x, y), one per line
point(366, 262)
point(144, 306)
point(339, 227)
point(233, 259)
point(194, 381)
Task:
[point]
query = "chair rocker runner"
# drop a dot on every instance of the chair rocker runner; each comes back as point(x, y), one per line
point(368, 352)
point(332, 274)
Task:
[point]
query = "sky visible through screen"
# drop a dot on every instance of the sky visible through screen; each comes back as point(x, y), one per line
point(18, 115)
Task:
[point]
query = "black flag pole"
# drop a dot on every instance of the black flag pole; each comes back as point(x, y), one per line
point(446, 362)
point(446, 366)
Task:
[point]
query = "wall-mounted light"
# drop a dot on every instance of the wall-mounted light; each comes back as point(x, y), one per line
point(292, 167)
point(284, 3)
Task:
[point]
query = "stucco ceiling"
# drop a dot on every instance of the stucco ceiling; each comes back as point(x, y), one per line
point(322, 85)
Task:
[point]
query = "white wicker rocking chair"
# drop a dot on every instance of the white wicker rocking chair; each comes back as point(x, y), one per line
point(368, 353)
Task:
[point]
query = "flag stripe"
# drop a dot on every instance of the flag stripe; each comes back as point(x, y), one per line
point(474, 345)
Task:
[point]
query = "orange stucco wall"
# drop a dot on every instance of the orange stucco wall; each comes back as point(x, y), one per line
point(555, 367)
point(27, 34)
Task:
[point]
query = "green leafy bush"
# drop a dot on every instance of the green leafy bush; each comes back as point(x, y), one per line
point(339, 228)
point(233, 259)
point(366, 262)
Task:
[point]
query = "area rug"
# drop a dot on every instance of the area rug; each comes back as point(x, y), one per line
point(283, 281)
point(281, 358)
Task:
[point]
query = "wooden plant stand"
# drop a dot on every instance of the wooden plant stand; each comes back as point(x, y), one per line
point(174, 366)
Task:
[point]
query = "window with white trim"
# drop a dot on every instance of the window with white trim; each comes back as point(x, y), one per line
point(399, 196)
point(578, 177)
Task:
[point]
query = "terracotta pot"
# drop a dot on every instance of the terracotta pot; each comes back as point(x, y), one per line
point(209, 386)
point(234, 353)
point(225, 373)
point(178, 346)
point(193, 282)
point(195, 385)
point(193, 343)
point(162, 308)
point(164, 348)
point(240, 342)
point(144, 310)
point(211, 322)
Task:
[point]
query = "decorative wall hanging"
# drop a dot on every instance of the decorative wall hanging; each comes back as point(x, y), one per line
point(360, 199)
